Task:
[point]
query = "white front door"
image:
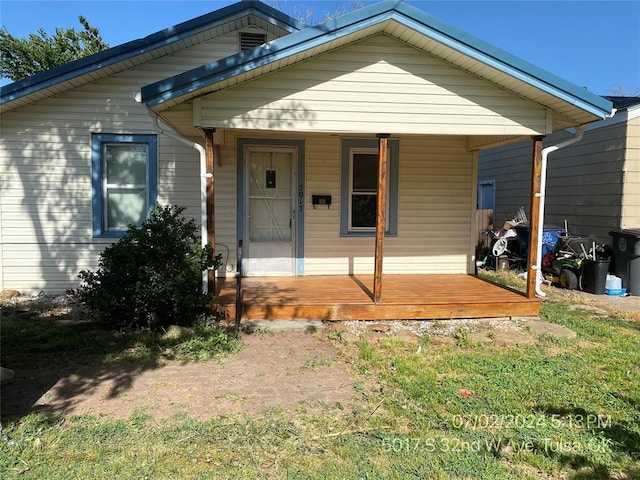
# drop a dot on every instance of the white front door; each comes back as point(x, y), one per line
point(270, 224)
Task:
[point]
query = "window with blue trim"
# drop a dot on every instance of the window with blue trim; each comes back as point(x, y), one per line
point(359, 190)
point(125, 181)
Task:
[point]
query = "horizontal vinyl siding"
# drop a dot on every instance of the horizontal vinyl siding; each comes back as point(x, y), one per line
point(376, 85)
point(433, 211)
point(631, 192)
point(225, 198)
point(325, 251)
point(30, 268)
point(434, 196)
point(46, 233)
point(584, 181)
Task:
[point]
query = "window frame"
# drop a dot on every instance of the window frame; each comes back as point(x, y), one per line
point(491, 183)
point(351, 193)
point(368, 146)
point(100, 187)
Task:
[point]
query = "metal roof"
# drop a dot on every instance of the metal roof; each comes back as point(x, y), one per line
point(623, 103)
point(118, 58)
point(406, 23)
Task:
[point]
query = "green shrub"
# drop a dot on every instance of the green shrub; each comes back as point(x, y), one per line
point(152, 277)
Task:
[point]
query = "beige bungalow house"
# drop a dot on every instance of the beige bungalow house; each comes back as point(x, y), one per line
point(342, 158)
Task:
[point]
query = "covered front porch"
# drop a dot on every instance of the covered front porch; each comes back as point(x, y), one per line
point(381, 114)
point(350, 297)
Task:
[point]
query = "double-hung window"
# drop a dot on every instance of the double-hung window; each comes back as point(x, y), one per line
point(363, 196)
point(360, 188)
point(124, 181)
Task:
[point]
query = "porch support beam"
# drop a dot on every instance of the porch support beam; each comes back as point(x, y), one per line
point(211, 217)
point(534, 217)
point(381, 214)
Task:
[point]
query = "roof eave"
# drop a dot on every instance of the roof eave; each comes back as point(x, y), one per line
point(189, 83)
point(198, 78)
point(510, 64)
point(55, 76)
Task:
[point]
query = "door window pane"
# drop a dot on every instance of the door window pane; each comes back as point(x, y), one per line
point(270, 220)
point(270, 214)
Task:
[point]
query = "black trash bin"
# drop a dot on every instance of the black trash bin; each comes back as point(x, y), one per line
point(626, 256)
point(594, 276)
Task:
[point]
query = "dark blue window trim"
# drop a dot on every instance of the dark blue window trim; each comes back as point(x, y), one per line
point(97, 141)
point(300, 199)
point(394, 161)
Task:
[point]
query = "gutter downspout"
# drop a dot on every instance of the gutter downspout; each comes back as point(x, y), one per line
point(543, 183)
point(203, 184)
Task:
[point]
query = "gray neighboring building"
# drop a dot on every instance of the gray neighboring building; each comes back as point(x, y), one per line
point(593, 184)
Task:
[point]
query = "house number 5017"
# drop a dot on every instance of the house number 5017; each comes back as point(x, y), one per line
point(300, 197)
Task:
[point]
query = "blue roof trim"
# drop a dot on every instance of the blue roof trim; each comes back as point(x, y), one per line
point(131, 49)
point(507, 62)
point(201, 77)
point(197, 78)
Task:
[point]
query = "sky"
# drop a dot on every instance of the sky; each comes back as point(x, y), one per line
point(593, 44)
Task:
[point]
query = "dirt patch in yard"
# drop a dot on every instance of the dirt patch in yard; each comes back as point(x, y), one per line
point(627, 307)
point(284, 369)
point(274, 370)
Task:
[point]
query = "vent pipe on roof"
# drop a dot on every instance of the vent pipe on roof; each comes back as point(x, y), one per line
point(543, 184)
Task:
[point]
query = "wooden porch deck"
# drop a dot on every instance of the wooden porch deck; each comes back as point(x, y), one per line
point(350, 297)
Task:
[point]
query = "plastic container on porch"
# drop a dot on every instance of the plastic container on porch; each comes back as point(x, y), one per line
point(594, 276)
point(626, 256)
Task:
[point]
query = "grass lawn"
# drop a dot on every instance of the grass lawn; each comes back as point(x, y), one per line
point(561, 409)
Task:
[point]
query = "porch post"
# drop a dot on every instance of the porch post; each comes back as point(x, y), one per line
point(211, 218)
point(381, 214)
point(534, 218)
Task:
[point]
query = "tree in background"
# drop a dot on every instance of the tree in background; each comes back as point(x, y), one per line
point(23, 57)
point(620, 91)
point(306, 14)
